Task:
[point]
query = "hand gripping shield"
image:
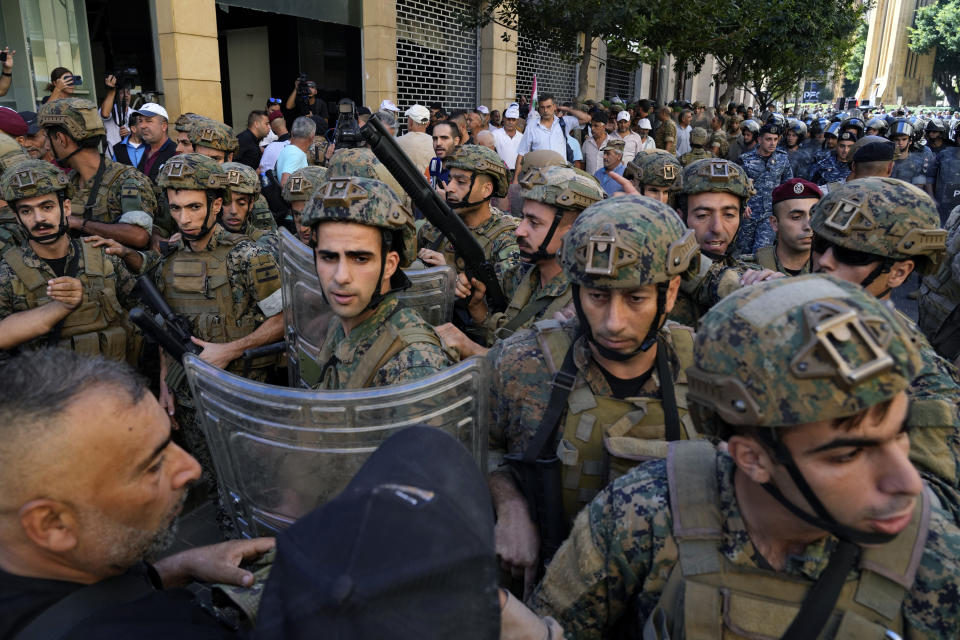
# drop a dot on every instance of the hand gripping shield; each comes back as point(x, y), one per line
point(281, 452)
point(306, 316)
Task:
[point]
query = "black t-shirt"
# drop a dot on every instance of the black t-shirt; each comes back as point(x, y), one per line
point(170, 614)
point(58, 265)
point(248, 151)
point(625, 388)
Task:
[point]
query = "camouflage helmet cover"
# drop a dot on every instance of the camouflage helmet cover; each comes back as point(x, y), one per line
point(241, 179)
point(562, 187)
point(186, 121)
point(191, 171)
point(717, 175)
point(819, 348)
point(479, 159)
point(543, 158)
point(882, 216)
point(627, 242)
point(698, 135)
point(213, 134)
point(302, 183)
point(655, 169)
point(30, 178)
point(364, 201)
point(360, 162)
point(80, 118)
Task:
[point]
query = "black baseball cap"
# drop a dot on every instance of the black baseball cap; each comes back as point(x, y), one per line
point(873, 149)
point(30, 117)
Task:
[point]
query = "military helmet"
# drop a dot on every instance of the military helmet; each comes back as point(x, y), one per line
point(936, 124)
point(543, 158)
point(698, 136)
point(562, 187)
point(819, 348)
point(878, 124)
point(186, 121)
point(797, 126)
point(303, 182)
point(191, 171)
point(655, 169)
point(80, 118)
point(900, 127)
point(751, 125)
point(213, 134)
point(360, 162)
point(30, 178)
point(833, 130)
point(882, 216)
point(241, 179)
point(627, 242)
point(364, 201)
point(478, 159)
point(13, 158)
point(717, 175)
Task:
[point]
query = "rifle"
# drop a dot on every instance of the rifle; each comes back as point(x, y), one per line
point(434, 209)
point(166, 328)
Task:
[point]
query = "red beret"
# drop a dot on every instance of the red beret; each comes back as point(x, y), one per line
point(273, 115)
point(11, 123)
point(796, 188)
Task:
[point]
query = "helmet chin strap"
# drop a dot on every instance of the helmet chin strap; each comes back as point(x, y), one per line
point(541, 252)
point(206, 227)
point(398, 281)
point(649, 340)
point(463, 204)
point(50, 238)
point(879, 270)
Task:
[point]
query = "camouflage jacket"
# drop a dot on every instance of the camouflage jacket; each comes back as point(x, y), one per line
point(496, 237)
point(622, 550)
point(666, 132)
point(694, 155)
point(719, 139)
point(11, 233)
point(420, 352)
point(767, 258)
point(265, 238)
point(828, 169)
point(715, 280)
point(522, 286)
point(123, 190)
point(766, 174)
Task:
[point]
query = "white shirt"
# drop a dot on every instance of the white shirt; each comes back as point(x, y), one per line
point(536, 136)
point(648, 143)
point(507, 147)
point(632, 145)
point(593, 155)
point(683, 139)
point(269, 158)
point(113, 131)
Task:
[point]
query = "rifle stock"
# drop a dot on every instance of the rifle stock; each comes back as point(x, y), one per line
point(172, 332)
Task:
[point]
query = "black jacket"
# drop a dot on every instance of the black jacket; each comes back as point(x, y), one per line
point(167, 151)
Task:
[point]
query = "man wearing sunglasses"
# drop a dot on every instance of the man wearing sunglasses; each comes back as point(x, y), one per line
point(875, 232)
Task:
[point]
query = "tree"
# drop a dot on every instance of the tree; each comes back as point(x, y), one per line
point(938, 25)
point(853, 68)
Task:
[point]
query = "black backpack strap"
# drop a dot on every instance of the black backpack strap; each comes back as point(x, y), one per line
point(83, 603)
point(566, 143)
point(543, 440)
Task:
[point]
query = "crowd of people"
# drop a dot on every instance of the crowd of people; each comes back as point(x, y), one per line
point(706, 418)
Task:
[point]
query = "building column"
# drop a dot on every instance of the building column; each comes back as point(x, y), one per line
point(189, 57)
point(379, 52)
point(498, 66)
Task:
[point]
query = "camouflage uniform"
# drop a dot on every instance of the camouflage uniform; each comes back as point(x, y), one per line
point(767, 173)
point(698, 139)
point(655, 169)
point(394, 345)
point(828, 169)
point(214, 135)
point(940, 295)
point(495, 235)
point(665, 133)
point(11, 233)
point(767, 258)
point(718, 140)
point(124, 194)
point(259, 224)
point(630, 555)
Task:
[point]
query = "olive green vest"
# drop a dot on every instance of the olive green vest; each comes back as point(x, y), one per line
point(485, 238)
point(130, 198)
point(767, 258)
point(521, 310)
point(602, 438)
point(98, 325)
point(709, 597)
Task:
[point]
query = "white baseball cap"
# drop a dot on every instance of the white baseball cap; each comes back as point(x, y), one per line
point(151, 109)
point(512, 112)
point(644, 124)
point(623, 115)
point(387, 105)
point(482, 109)
point(418, 113)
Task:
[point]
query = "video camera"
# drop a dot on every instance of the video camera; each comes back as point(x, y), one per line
point(127, 78)
point(303, 93)
point(347, 133)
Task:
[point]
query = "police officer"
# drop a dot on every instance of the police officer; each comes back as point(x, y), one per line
point(576, 403)
point(113, 200)
point(812, 519)
point(239, 215)
point(834, 167)
point(537, 286)
point(57, 290)
point(362, 236)
point(793, 141)
point(939, 303)
point(213, 139)
point(656, 174)
point(790, 253)
point(768, 167)
point(297, 191)
point(946, 168)
point(908, 165)
point(698, 139)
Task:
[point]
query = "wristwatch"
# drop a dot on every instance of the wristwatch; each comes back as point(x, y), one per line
point(9, 75)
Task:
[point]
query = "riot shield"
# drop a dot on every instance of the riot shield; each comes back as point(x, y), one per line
point(281, 452)
point(948, 182)
point(306, 316)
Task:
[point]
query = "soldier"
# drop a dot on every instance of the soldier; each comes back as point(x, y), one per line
point(698, 139)
point(360, 162)
point(297, 192)
point(718, 144)
point(577, 403)
point(656, 174)
point(537, 287)
point(239, 214)
point(834, 167)
point(665, 135)
point(362, 236)
point(746, 141)
point(790, 253)
point(477, 174)
point(804, 379)
point(946, 168)
point(768, 167)
point(940, 297)
point(875, 232)
point(117, 200)
point(213, 139)
point(11, 233)
point(57, 290)
point(183, 125)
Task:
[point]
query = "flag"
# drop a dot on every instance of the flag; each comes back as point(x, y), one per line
point(533, 94)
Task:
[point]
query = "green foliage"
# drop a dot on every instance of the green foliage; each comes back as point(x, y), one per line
point(854, 65)
point(938, 25)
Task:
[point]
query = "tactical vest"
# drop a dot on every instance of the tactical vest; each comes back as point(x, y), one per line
point(948, 181)
point(98, 325)
point(521, 310)
point(939, 298)
point(261, 217)
point(767, 258)
point(601, 437)
point(130, 198)
point(486, 238)
point(709, 597)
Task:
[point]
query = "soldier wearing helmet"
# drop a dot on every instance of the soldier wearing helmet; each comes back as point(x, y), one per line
point(56, 290)
point(537, 287)
point(112, 200)
point(577, 403)
point(477, 174)
point(698, 141)
point(11, 233)
point(656, 174)
point(182, 126)
point(362, 236)
point(746, 141)
point(794, 137)
point(213, 139)
point(297, 192)
point(811, 509)
point(239, 213)
point(910, 165)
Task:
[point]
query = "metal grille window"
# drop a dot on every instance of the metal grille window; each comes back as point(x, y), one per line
point(620, 79)
point(553, 74)
point(436, 62)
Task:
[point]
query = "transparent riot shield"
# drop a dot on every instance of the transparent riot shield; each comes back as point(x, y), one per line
point(280, 452)
point(306, 316)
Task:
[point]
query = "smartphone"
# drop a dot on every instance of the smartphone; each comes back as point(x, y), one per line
point(3, 56)
point(77, 81)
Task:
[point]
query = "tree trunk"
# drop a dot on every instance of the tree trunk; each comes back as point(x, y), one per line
point(729, 85)
point(945, 82)
point(584, 69)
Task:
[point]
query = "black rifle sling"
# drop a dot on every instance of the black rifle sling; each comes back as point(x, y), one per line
point(822, 597)
point(529, 311)
point(92, 198)
point(562, 385)
point(671, 415)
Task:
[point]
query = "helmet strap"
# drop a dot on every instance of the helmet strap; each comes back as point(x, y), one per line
point(56, 235)
point(541, 252)
point(207, 225)
point(463, 204)
point(398, 281)
point(648, 341)
point(883, 267)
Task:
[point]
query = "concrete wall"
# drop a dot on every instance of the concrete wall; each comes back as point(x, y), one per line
point(890, 71)
point(189, 57)
point(379, 51)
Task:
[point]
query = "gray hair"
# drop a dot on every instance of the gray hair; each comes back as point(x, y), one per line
point(388, 119)
point(303, 127)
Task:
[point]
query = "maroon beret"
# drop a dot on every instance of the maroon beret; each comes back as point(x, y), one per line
point(11, 123)
point(273, 115)
point(796, 188)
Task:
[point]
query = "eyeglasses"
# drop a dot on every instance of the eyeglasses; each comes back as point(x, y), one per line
point(273, 100)
point(847, 256)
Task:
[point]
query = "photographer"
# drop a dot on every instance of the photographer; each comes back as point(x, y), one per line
point(303, 100)
point(7, 70)
point(115, 109)
point(61, 85)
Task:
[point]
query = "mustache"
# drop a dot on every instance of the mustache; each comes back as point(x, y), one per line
point(42, 226)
